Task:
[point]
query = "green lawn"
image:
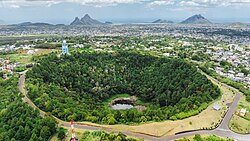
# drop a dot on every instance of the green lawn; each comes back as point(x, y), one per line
point(25, 58)
point(22, 58)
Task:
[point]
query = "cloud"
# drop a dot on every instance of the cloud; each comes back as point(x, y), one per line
point(160, 2)
point(198, 3)
point(97, 3)
point(213, 3)
point(27, 3)
point(189, 3)
point(148, 3)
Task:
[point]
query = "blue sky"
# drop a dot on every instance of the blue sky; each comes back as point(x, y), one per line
point(64, 11)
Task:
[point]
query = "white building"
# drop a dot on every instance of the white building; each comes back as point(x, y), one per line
point(217, 107)
point(243, 112)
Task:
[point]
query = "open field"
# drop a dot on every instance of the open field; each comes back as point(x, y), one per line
point(239, 124)
point(25, 58)
point(243, 103)
point(20, 57)
point(206, 119)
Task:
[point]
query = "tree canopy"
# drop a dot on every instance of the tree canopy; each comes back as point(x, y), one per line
point(18, 120)
point(77, 86)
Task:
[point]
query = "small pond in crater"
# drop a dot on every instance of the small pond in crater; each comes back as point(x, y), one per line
point(126, 103)
point(122, 106)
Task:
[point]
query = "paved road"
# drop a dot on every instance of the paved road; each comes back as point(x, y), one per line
point(222, 130)
point(225, 121)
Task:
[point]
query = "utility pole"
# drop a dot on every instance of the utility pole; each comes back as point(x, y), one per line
point(73, 136)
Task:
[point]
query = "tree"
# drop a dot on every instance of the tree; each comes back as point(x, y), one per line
point(118, 138)
point(45, 133)
point(17, 118)
point(20, 133)
point(33, 137)
point(61, 134)
point(110, 119)
point(197, 137)
point(143, 119)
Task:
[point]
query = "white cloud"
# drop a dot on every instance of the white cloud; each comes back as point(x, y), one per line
point(27, 3)
point(149, 3)
point(213, 3)
point(188, 3)
point(98, 3)
point(198, 3)
point(161, 2)
point(103, 2)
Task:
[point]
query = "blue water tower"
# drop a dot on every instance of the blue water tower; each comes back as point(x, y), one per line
point(65, 49)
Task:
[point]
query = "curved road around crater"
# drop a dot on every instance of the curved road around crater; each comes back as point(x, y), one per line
point(222, 130)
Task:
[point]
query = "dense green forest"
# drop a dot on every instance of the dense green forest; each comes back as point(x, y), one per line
point(78, 86)
point(19, 121)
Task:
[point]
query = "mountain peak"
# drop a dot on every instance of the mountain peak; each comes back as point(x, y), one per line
point(86, 20)
point(76, 21)
point(86, 16)
point(196, 19)
point(198, 16)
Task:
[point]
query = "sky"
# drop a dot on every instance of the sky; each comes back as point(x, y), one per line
point(122, 11)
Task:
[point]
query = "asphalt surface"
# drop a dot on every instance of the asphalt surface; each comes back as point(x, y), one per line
point(222, 130)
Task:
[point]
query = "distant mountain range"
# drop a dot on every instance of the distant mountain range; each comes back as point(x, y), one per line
point(238, 25)
point(33, 24)
point(196, 19)
point(162, 21)
point(86, 20)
